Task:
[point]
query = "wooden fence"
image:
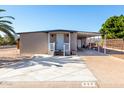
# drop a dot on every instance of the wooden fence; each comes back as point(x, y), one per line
point(115, 43)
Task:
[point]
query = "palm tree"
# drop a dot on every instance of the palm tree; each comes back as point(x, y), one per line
point(5, 26)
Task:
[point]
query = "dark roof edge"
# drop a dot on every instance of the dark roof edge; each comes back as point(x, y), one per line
point(56, 30)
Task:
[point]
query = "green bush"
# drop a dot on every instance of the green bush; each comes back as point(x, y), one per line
point(6, 41)
point(113, 27)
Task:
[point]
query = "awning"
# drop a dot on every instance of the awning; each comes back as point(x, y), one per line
point(88, 34)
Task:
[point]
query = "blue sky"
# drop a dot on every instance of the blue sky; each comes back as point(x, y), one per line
point(82, 18)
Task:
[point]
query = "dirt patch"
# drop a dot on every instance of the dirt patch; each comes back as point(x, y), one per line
point(118, 56)
point(114, 53)
point(108, 70)
point(11, 55)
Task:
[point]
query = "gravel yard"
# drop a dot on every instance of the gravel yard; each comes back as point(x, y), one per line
point(10, 55)
point(108, 70)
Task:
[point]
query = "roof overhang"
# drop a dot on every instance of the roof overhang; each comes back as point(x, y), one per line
point(46, 31)
point(88, 34)
point(79, 33)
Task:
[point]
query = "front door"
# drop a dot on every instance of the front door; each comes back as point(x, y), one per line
point(59, 41)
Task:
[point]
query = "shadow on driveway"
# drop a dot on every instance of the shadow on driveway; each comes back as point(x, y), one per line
point(57, 61)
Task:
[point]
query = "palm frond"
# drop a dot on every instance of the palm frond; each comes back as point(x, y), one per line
point(2, 10)
point(9, 28)
point(10, 17)
point(5, 21)
point(5, 26)
point(8, 33)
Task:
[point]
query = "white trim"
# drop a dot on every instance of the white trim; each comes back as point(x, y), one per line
point(115, 49)
point(52, 47)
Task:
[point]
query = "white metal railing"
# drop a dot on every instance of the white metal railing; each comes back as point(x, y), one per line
point(66, 48)
point(52, 46)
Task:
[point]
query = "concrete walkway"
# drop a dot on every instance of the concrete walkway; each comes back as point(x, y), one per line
point(107, 69)
point(49, 69)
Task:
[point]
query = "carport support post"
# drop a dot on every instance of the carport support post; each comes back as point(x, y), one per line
point(48, 43)
point(98, 45)
point(98, 49)
point(105, 44)
point(64, 50)
point(69, 43)
point(90, 42)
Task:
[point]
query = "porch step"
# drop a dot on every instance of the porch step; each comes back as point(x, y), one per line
point(58, 53)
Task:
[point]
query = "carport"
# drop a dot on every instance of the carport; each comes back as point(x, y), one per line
point(85, 39)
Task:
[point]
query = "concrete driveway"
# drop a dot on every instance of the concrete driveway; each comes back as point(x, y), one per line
point(48, 68)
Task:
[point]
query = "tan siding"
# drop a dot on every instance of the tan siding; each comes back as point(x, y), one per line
point(34, 43)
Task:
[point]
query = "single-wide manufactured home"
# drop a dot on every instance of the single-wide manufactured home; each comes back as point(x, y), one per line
point(54, 42)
